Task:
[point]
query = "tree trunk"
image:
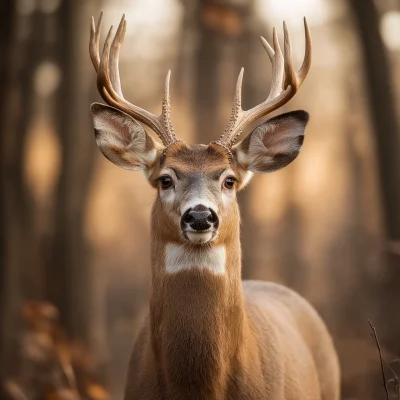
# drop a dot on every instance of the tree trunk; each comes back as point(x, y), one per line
point(7, 20)
point(67, 272)
point(387, 142)
point(19, 255)
point(207, 89)
point(383, 113)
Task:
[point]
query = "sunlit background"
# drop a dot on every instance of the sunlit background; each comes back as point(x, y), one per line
point(74, 234)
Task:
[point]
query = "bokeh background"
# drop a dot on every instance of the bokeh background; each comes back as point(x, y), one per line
point(74, 229)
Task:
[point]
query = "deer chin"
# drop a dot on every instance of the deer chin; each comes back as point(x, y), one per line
point(200, 237)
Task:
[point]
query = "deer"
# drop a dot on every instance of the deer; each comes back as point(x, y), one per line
point(208, 334)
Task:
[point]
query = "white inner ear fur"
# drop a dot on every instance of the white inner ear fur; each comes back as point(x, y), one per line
point(268, 140)
point(115, 130)
point(275, 138)
point(180, 258)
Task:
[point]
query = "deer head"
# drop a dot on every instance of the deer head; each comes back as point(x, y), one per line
point(197, 184)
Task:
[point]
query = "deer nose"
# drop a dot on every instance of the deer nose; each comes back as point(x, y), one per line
point(199, 218)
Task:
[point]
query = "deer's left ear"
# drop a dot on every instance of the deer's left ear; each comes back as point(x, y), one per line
point(273, 144)
point(122, 139)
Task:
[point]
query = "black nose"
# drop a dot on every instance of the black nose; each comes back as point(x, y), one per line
point(200, 218)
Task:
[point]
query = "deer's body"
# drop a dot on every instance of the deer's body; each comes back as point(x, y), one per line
point(209, 336)
point(286, 356)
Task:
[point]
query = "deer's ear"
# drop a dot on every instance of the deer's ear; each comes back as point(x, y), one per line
point(273, 144)
point(122, 139)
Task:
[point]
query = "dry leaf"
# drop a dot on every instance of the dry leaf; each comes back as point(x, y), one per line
point(97, 392)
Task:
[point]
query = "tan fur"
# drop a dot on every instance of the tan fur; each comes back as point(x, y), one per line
point(207, 335)
point(210, 336)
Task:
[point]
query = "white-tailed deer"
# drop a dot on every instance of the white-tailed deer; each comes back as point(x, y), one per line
point(209, 335)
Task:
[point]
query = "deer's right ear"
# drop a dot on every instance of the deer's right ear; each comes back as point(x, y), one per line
point(273, 144)
point(122, 139)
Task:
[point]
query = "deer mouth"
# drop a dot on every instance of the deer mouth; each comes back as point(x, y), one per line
point(199, 237)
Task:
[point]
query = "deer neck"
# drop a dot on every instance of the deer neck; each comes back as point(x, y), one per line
point(198, 321)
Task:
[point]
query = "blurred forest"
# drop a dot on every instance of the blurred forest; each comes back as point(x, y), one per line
point(74, 229)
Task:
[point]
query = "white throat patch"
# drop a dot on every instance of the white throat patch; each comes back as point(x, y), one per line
point(180, 258)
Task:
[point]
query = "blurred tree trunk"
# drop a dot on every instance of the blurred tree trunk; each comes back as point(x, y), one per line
point(383, 111)
point(67, 272)
point(208, 58)
point(20, 256)
point(228, 39)
point(387, 141)
point(7, 17)
point(7, 24)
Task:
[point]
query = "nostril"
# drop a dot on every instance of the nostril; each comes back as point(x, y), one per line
point(188, 217)
point(212, 218)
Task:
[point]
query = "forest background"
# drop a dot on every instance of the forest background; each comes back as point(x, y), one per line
point(74, 229)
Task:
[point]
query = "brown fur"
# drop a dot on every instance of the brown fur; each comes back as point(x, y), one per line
point(208, 335)
point(215, 337)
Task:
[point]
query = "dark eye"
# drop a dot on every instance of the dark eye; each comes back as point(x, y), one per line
point(229, 182)
point(165, 181)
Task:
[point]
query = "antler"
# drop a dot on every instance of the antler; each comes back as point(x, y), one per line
point(109, 84)
point(285, 83)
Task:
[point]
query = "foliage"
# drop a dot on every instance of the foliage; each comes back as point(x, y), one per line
point(51, 366)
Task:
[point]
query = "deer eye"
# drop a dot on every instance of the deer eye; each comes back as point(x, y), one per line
point(165, 181)
point(229, 182)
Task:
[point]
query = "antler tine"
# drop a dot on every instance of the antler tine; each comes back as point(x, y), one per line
point(103, 77)
point(114, 56)
point(305, 67)
point(238, 92)
point(290, 73)
point(104, 83)
point(293, 78)
point(95, 41)
point(109, 84)
point(107, 91)
point(285, 83)
point(166, 110)
point(277, 61)
point(235, 113)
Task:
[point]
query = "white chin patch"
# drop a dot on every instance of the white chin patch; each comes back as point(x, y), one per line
point(199, 238)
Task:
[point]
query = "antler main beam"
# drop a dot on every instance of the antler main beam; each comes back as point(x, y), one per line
point(109, 83)
point(285, 83)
